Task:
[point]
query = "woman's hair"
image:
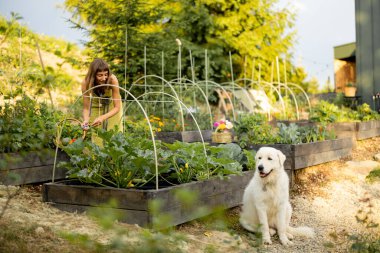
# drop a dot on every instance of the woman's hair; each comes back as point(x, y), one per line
point(97, 65)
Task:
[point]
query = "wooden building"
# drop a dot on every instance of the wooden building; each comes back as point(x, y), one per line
point(359, 62)
point(344, 66)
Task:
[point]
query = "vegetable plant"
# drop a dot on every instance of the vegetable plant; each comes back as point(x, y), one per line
point(26, 125)
point(127, 160)
point(254, 129)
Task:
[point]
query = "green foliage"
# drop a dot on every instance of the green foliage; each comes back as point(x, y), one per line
point(124, 161)
point(252, 29)
point(330, 112)
point(365, 113)
point(325, 112)
point(20, 66)
point(373, 176)
point(253, 129)
point(289, 134)
point(26, 125)
point(295, 134)
point(127, 161)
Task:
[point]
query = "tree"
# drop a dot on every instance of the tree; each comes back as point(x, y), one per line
point(249, 29)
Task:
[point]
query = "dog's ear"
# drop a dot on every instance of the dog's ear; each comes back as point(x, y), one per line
point(256, 156)
point(281, 157)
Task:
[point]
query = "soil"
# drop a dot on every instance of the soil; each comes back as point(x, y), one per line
point(333, 198)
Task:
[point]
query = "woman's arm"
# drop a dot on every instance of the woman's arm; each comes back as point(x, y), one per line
point(116, 98)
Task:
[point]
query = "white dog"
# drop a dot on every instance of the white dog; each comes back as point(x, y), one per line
point(266, 207)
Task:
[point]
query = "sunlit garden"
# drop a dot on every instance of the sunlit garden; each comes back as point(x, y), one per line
point(203, 85)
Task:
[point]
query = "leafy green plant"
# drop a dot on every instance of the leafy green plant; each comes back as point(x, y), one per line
point(295, 134)
point(127, 161)
point(26, 125)
point(326, 112)
point(329, 113)
point(124, 161)
point(365, 113)
point(253, 129)
point(289, 134)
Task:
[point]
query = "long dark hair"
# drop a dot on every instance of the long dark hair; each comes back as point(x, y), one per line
point(97, 65)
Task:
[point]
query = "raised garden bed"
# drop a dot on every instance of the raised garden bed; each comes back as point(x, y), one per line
point(31, 167)
point(303, 155)
point(344, 129)
point(367, 129)
point(134, 203)
point(355, 130)
point(185, 136)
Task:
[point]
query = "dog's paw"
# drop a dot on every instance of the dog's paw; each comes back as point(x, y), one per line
point(272, 231)
point(285, 241)
point(267, 241)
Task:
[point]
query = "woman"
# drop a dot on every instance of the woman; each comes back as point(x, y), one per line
point(101, 105)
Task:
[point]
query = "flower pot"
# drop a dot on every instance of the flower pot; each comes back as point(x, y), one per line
point(350, 91)
point(225, 137)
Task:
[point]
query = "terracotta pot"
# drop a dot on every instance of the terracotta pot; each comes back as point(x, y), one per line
point(350, 91)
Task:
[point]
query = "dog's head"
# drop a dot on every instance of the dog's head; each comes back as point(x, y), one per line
point(269, 160)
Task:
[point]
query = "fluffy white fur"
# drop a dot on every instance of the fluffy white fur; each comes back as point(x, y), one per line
point(266, 207)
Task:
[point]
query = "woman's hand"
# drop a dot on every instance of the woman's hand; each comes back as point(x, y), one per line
point(85, 126)
point(98, 121)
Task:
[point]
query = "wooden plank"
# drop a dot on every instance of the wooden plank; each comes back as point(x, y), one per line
point(211, 193)
point(186, 136)
point(194, 136)
point(31, 167)
point(342, 126)
point(32, 158)
point(297, 154)
point(135, 199)
point(31, 175)
point(368, 125)
point(169, 137)
point(90, 196)
point(361, 135)
point(322, 157)
point(322, 146)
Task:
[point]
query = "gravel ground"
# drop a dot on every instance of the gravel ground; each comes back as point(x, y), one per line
point(326, 197)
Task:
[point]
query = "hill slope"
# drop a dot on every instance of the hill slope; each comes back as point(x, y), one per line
point(21, 67)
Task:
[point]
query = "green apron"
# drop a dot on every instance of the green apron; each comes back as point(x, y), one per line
point(100, 106)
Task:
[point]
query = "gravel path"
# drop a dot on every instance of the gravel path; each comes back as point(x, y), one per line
point(327, 197)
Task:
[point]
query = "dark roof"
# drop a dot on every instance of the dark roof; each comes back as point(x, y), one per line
point(345, 51)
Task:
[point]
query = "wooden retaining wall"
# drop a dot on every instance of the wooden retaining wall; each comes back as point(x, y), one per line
point(134, 203)
point(186, 136)
point(31, 167)
point(303, 155)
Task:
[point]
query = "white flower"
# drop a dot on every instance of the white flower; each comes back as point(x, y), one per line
point(179, 43)
point(229, 125)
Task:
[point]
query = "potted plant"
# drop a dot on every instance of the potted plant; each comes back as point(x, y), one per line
point(350, 90)
point(222, 133)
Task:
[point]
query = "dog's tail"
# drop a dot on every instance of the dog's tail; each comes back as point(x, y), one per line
point(301, 231)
